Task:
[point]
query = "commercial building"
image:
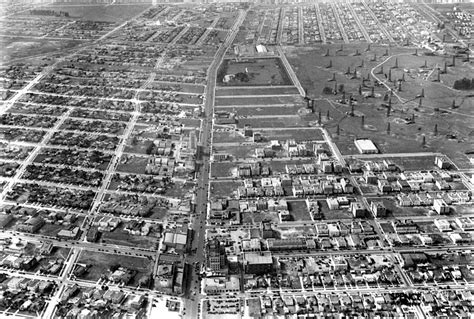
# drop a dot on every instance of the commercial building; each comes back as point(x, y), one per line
point(215, 255)
point(258, 263)
point(366, 146)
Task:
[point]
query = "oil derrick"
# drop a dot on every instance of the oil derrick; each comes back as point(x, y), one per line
point(420, 102)
point(422, 93)
point(423, 143)
point(435, 132)
point(372, 94)
point(453, 105)
point(368, 48)
point(341, 48)
point(319, 118)
point(327, 53)
point(333, 78)
point(403, 77)
point(354, 75)
point(357, 53)
point(343, 101)
point(362, 121)
point(327, 115)
point(374, 58)
point(360, 89)
point(445, 69)
point(399, 86)
point(313, 107)
point(348, 70)
point(390, 75)
point(388, 128)
point(381, 70)
point(425, 65)
point(389, 107)
point(396, 64)
point(386, 52)
point(416, 52)
point(330, 64)
point(438, 76)
point(454, 61)
point(338, 129)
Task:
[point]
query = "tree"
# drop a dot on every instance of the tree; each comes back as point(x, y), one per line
point(327, 90)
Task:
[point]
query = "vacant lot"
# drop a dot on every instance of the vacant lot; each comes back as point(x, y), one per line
point(299, 210)
point(229, 91)
point(307, 134)
point(283, 100)
point(101, 262)
point(252, 72)
point(225, 189)
point(222, 169)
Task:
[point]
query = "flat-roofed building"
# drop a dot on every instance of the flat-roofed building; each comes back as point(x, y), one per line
point(366, 146)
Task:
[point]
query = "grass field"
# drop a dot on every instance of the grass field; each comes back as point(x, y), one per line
point(259, 72)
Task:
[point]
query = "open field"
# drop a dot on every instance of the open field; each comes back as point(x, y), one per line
point(248, 90)
point(223, 169)
point(299, 210)
point(254, 72)
point(454, 127)
point(16, 48)
point(272, 122)
point(230, 136)
point(121, 237)
point(296, 134)
point(261, 110)
point(101, 262)
point(260, 100)
point(242, 151)
point(106, 13)
point(224, 189)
